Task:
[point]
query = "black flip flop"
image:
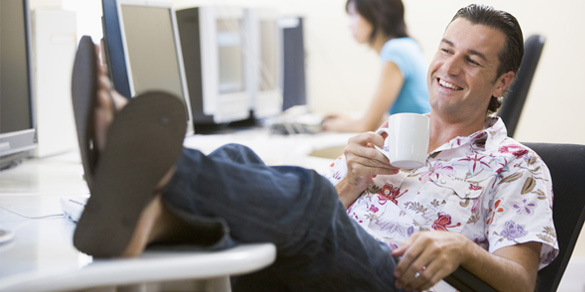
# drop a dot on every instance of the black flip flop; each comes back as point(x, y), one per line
point(83, 93)
point(143, 143)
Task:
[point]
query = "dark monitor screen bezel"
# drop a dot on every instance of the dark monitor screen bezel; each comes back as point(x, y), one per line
point(15, 143)
point(113, 46)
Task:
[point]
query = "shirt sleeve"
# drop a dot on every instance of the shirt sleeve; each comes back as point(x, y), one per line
point(399, 53)
point(520, 210)
point(337, 170)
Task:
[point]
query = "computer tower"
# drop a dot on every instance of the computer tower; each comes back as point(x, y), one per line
point(54, 43)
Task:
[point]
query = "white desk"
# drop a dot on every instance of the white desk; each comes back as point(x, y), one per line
point(42, 258)
point(279, 149)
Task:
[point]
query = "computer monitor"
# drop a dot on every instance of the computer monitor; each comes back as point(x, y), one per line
point(214, 51)
point(266, 70)
point(294, 80)
point(17, 124)
point(143, 48)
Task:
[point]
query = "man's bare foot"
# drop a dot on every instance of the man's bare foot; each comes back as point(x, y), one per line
point(155, 219)
point(108, 101)
point(156, 224)
point(145, 228)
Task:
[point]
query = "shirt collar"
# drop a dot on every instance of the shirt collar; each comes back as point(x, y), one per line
point(493, 134)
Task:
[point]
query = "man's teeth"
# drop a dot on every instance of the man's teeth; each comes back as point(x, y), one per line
point(449, 85)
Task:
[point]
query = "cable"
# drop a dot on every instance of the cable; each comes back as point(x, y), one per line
point(33, 217)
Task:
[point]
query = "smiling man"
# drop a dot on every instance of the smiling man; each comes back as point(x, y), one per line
point(481, 186)
point(465, 76)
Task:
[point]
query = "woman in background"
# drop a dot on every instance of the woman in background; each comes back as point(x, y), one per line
point(402, 86)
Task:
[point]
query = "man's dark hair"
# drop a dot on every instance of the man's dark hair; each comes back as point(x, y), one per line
point(384, 15)
point(510, 56)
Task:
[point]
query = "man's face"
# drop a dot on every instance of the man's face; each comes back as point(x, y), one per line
point(462, 75)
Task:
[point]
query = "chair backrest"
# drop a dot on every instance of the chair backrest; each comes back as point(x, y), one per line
point(566, 163)
point(514, 102)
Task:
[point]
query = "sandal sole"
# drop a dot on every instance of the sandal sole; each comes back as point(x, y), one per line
point(143, 143)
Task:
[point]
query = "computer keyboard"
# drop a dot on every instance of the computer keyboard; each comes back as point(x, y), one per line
point(296, 120)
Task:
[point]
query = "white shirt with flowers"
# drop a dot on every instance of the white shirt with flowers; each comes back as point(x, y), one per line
point(486, 186)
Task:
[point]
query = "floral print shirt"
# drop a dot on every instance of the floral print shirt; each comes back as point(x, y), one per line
point(486, 186)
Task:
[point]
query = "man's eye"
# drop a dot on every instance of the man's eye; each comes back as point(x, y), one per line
point(446, 51)
point(473, 62)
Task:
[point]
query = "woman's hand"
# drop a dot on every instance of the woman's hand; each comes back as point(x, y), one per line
point(340, 123)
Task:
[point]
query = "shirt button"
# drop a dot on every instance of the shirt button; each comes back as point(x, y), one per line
point(467, 192)
point(443, 181)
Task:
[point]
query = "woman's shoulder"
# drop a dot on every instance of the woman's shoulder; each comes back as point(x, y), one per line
point(405, 47)
point(402, 42)
point(400, 45)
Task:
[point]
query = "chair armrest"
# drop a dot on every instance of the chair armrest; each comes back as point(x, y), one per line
point(465, 281)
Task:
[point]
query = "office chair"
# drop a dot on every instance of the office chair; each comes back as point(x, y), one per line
point(566, 163)
point(514, 102)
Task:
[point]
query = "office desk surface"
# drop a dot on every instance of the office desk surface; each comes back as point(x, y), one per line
point(41, 256)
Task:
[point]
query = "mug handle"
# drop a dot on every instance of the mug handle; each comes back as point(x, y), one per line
point(384, 150)
point(380, 131)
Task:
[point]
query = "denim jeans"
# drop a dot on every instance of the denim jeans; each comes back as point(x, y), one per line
point(231, 196)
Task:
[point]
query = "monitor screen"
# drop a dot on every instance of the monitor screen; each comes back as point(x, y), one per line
point(15, 103)
point(17, 129)
point(269, 55)
point(266, 68)
point(214, 44)
point(231, 58)
point(146, 39)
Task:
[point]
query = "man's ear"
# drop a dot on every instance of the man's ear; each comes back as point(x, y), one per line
point(503, 83)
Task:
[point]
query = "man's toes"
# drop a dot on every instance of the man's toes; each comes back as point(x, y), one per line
point(119, 100)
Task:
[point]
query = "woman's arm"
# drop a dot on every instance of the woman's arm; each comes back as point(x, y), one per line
point(389, 86)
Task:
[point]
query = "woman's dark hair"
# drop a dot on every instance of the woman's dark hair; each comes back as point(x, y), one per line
point(511, 54)
point(384, 15)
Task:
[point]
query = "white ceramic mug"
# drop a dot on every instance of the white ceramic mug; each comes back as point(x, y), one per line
point(408, 140)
